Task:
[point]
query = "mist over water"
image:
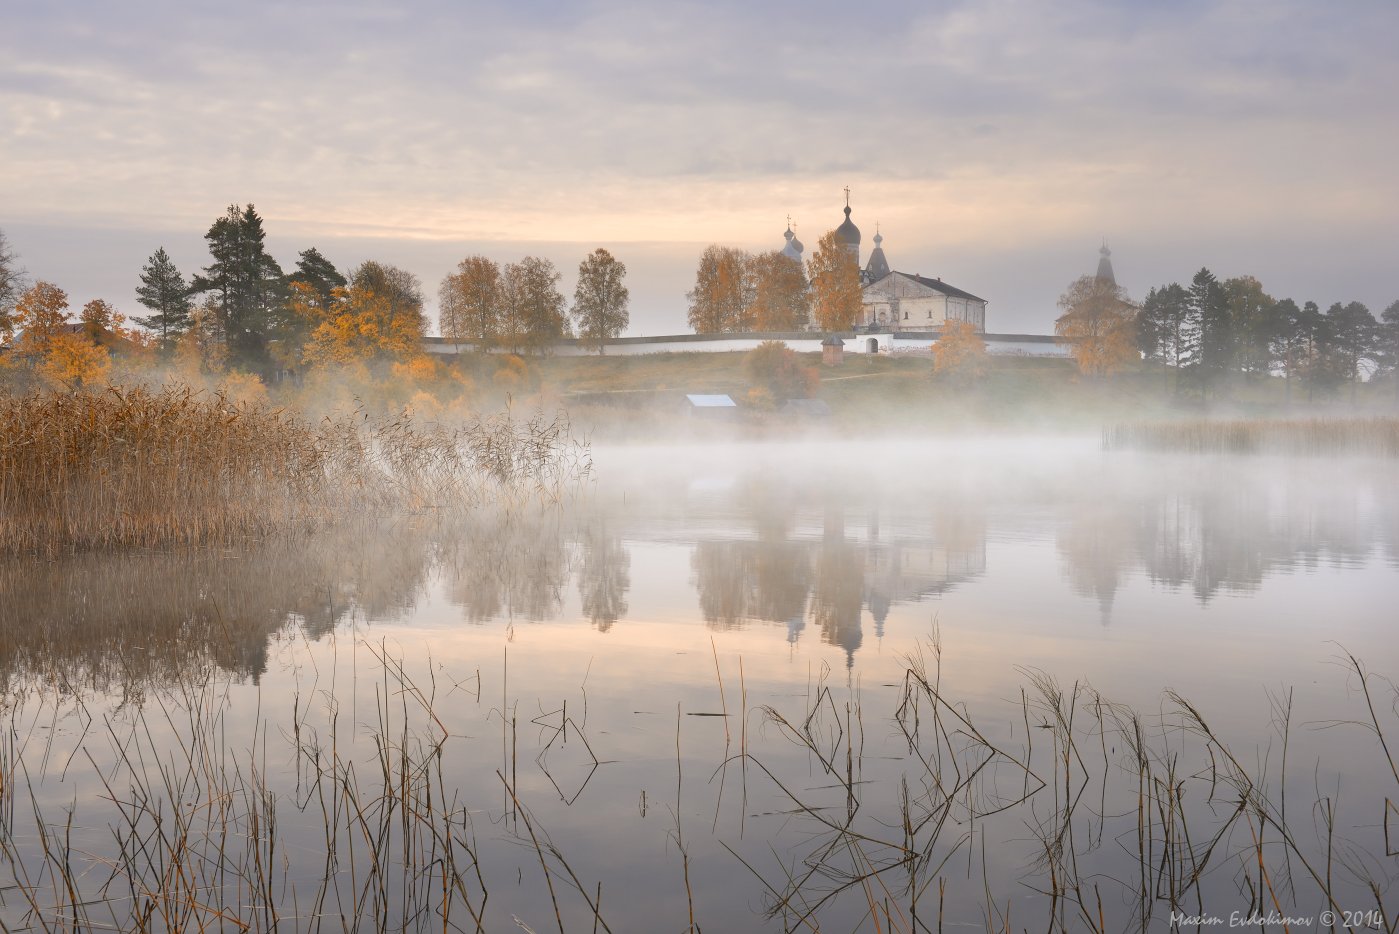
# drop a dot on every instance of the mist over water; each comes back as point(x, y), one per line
point(691, 581)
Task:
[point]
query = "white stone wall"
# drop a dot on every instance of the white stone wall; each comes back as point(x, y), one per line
point(886, 341)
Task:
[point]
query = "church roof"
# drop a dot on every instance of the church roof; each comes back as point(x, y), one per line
point(937, 285)
point(1105, 264)
point(878, 266)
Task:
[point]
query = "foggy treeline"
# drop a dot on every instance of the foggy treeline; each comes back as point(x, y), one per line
point(1214, 335)
point(244, 319)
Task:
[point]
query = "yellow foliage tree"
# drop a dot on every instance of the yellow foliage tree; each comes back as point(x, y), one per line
point(102, 322)
point(835, 285)
point(364, 325)
point(71, 360)
point(722, 297)
point(1099, 323)
point(781, 294)
point(40, 316)
point(960, 353)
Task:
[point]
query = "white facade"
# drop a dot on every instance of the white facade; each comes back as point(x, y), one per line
point(902, 302)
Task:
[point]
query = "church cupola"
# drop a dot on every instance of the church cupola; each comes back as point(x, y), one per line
point(1105, 265)
point(847, 234)
point(793, 248)
point(878, 266)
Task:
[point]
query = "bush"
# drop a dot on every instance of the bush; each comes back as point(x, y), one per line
point(775, 367)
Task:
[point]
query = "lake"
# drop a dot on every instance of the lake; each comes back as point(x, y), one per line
point(980, 682)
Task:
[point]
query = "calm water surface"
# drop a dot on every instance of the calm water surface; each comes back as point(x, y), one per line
point(612, 662)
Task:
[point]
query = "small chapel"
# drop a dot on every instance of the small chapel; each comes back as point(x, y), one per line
point(897, 301)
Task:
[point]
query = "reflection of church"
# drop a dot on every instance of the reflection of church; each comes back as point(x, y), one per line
point(898, 301)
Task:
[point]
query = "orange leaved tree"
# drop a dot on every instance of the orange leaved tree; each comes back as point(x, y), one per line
point(1100, 325)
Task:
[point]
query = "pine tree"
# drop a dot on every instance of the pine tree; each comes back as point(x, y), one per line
point(1353, 332)
point(319, 273)
point(247, 283)
point(164, 292)
point(1388, 341)
point(1285, 340)
point(1206, 338)
point(1162, 325)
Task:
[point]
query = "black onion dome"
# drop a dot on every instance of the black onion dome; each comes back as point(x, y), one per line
point(847, 232)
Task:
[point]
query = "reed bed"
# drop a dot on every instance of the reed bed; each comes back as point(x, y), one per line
point(350, 812)
point(135, 467)
point(1377, 436)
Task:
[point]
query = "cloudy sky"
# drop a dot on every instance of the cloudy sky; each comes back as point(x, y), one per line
point(995, 143)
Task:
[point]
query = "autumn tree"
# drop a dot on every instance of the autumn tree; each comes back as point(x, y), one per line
point(246, 281)
point(774, 367)
point(202, 348)
point(59, 356)
point(781, 294)
point(71, 360)
point(600, 299)
point(533, 311)
point(835, 285)
point(378, 317)
point(470, 302)
point(40, 316)
point(164, 291)
point(960, 353)
point(102, 323)
point(722, 297)
point(1100, 324)
point(11, 286)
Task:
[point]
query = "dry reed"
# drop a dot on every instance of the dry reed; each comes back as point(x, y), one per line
point(1317, 436)
point(135, 467)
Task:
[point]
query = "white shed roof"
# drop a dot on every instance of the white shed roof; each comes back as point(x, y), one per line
point(711, 402)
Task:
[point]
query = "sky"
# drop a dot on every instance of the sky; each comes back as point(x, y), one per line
point(996, 144)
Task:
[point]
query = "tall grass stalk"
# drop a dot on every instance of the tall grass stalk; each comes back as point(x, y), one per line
point(135, 467)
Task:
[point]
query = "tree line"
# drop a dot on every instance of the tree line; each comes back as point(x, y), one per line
point(740, 292)
point(244, 312)
point(1213, 335)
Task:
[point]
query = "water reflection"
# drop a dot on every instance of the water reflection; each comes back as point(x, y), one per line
point(837, 552)
point(1227, 530)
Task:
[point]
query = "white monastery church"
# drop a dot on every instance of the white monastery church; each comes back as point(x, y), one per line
point(898, 301)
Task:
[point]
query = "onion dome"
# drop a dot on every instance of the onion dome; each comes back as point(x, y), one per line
point(848, 234)
point(793, 248)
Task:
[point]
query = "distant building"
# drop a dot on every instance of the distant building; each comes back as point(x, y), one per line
point(901, 301)
point(710, 406)
point(1105, 265)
